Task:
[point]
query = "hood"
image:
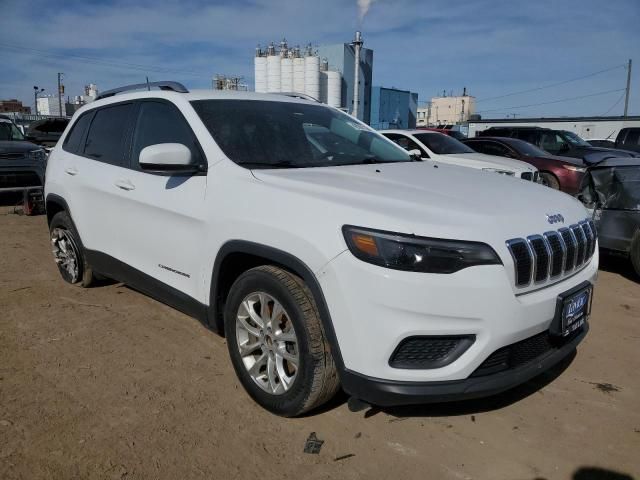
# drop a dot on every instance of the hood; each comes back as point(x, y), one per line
point(481, 160)
point(578, 162)
point(17, 147)
point(596, 154)
point(423, 198)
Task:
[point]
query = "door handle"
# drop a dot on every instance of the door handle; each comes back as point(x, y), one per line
point(71, 171)
point(125, 185)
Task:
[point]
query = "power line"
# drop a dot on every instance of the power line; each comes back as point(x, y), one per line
point(553, 84)
point(97, 61)
point(614, 105)
point(553, 101)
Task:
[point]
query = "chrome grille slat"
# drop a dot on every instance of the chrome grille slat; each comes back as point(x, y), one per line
point(540, 258)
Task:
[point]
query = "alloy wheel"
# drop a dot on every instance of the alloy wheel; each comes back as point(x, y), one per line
point(267, 343)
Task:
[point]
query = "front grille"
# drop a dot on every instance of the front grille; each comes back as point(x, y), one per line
point(521, 353)
point(429, 351)
point(527, 176)
point(536, 177)
point(11, 156)
point(19, 179)
point(539, 258)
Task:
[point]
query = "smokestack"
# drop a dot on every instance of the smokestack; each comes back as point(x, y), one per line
point(357, 44)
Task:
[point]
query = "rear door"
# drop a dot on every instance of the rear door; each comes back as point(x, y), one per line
point(94, 162)
point(162, 224)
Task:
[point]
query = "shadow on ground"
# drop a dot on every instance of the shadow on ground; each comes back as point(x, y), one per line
point(618, 264)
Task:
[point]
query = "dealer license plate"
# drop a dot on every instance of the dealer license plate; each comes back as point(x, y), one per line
point(575, 311)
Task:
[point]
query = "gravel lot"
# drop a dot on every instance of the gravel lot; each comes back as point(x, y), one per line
point(107, 383)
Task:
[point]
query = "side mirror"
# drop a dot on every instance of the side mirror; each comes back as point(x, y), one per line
point(415, 153)
point(167, 157)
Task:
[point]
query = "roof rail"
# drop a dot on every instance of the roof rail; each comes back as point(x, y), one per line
point(298, 95)
point(171, 86)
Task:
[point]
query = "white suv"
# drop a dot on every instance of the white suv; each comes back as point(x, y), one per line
point(325, 253)
point(439, 147)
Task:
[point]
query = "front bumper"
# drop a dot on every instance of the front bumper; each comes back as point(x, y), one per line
point(373, 309)
point(386, 393)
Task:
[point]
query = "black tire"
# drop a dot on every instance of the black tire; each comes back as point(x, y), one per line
point(550, 180)
point(61, 224)
point(316, 379)
point(634, 252)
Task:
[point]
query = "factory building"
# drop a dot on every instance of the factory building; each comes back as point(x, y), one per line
point(49, 105)
point(292, 70)
point(393, 108)
point(327, 73)
point(451, 110)
point(341, 58)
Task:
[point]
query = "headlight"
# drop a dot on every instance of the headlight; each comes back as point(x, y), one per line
point(501, 172)
point(574, 168)
point(37, 155)
point(416, 254)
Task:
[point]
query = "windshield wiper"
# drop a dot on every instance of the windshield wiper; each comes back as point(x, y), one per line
point(283, 164)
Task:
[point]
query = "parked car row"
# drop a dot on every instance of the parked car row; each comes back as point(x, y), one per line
point(431, 145)
point(22, 163)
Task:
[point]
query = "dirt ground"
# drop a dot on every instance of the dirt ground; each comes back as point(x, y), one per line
point(107, 383)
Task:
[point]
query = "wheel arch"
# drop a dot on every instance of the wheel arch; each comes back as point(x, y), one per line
point(55, 204)
point(238, 256)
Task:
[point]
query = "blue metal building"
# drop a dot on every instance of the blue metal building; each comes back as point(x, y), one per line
point(393, 108)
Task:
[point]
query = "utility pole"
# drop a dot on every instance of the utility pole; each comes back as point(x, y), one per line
point(60, 92)
point(626, 95)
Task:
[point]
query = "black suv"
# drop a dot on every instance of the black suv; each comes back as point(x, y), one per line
point(629, 139)
point(22, 164)
point(556, 142)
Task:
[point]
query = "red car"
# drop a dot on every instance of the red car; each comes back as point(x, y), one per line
point(559, 173)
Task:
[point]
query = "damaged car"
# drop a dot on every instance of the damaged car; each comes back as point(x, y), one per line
point(611, 190)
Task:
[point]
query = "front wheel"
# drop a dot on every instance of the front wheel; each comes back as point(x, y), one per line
point(277, 343)
point(550, 180)
point(67, 251)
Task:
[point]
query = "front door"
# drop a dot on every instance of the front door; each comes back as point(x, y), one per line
point(162, 226)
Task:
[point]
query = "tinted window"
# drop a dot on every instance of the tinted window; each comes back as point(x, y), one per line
point(72, 141)
point(633, 137)
point(492, 148)
point(405, 142)
point(267, 134)
point(530, 136)
point(160, 122)
point(106, 138)
point(442, 144)
point(8, 131)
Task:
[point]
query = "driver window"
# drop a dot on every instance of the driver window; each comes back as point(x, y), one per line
point(552, 142)
point(160, 122)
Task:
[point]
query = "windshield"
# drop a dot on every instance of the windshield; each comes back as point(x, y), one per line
point(8, 131)
point(574, 139)
point(442, 144)
point(529, 150)
point(264, 134)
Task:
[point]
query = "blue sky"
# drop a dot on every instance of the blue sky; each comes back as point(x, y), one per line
point(493, 47)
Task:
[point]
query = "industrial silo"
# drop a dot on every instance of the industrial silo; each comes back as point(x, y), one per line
point(334, 89)
point(312, 74)
point(298, 71)
point(286, 71)
point(273, 70)
point(323, 86)
point(260, 68)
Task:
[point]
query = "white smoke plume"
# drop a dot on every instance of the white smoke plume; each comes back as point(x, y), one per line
point(363, 9)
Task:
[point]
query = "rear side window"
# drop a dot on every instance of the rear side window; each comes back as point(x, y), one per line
point(107, 134)
point(72, 141)
point(160, 122)
point(633, 137)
